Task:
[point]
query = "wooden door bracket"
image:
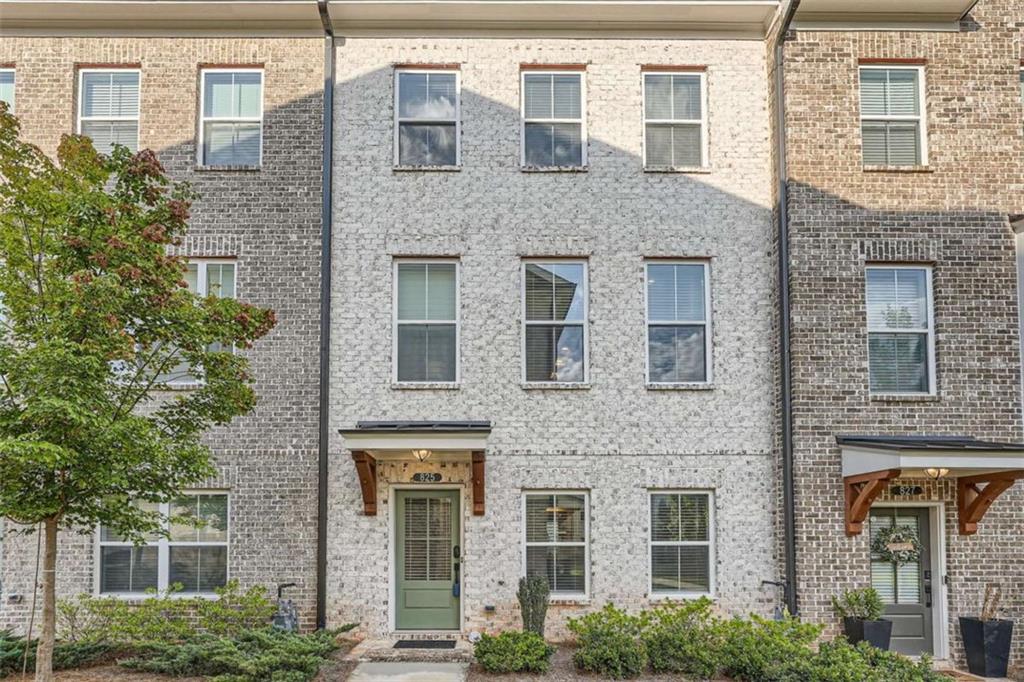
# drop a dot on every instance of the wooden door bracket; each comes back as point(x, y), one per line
point(478, 483)
point(366, 467)
point(975, 494)
point(861, 490)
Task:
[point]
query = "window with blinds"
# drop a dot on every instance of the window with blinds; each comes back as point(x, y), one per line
point(428, 538)
point(108, 108)
point(7, 88)
point(678, 328)
point(426, 321)
point(682, 543)
point(892, 116)
point(193, 556)
point(675, 127)
point(554, 130)
point(556, 535)
point(895, 584)
point(231, 132)
point(900, 329)
point(426, 118)
point(554, 322)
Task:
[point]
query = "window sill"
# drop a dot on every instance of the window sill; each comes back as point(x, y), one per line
point(682, 386)
point(553, 386)
point(684, 170)
point(679, 596)
point(219, 169)
point(898, 169)
point(553, 169)
point(569, 600)
point(140, 597)
point(174, 388)
point(904, 398)
point(426, 169)
point(425, 386)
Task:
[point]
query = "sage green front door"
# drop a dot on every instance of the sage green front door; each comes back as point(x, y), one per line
point(427, 560)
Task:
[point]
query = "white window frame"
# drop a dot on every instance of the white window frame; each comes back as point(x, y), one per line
point(395, 322)
point(929, 329)
point(921, 118)
point(561, 596)
point(14, 71)
point(702, 121)
point(582, 120)
point(203, 118)
point(710, 543)
point(706, 322)
point(81, 102)
point(399, 119)
point(585, 324)
point(163, 545)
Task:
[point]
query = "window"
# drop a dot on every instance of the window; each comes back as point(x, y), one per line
point(892, 116)
point(108, 108)
point(426, 321)
point(682, 543)
point(194, 557)
point(231, 132)
point(901, 336)
point(7, 88)
point(678, 328)
point(555, 321)
point(427, 118)
point(675, 127)
point(554, 132)
point(556, 533)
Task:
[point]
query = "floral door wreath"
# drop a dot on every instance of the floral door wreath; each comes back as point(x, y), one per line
point(898, 545)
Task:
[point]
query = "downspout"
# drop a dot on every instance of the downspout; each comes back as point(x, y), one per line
point(325, 317)
point(788, 502)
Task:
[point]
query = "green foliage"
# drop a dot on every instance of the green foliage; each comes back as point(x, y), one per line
point(609, 643)
point(164, 617)
point(251, 656)
point(683, 638)
point(839, 661)
point(65, 654)
point(513, 652)
point(864, 603)
point(533, 603)
point(762, 650)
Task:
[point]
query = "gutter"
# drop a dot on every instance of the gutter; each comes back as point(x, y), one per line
point(786, 379)
point(325, 317)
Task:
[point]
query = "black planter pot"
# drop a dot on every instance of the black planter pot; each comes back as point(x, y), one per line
point(877, 633)
point(987, 645)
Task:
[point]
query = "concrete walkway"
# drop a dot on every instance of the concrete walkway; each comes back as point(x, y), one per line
point(409, 672)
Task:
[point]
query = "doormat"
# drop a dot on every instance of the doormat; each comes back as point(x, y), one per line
point(425, 644)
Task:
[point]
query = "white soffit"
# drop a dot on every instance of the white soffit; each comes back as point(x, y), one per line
point(912, 463)
point(881, 14)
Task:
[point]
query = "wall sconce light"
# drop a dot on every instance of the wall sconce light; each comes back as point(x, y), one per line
point(421, 455)
point(936, 473)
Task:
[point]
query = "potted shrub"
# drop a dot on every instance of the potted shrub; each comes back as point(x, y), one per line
point(861, 611)
point(987, 639)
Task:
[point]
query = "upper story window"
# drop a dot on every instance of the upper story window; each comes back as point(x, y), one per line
point(555, 534)
point(427, 118)
point(675, 122)
point(7, 88)
point(108, 107)
point(554, 133)
point(678, 325)
point(892, 116)
point(426, 321)
point(555, 322)
point(682, 559)
point(231, 131)
point(901, 331)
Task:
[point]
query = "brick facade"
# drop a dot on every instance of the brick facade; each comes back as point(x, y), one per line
point(269, 220)
point(951, 215)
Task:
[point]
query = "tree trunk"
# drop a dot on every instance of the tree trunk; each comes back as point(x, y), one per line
point(44, 654)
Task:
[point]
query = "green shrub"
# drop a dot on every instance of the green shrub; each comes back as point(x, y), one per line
point(533, 603)
point(684, 638)
point(609, 643)
point(65, 654)
point(761, 650)
point(863, 603)
point(839, 661)
point(513, 652)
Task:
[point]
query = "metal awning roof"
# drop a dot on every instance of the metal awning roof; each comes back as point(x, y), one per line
point(421, 426)
point(962, 455)
point(928, 443)
point(397, 439)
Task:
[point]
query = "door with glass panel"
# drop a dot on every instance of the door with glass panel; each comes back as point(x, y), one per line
point(427, 560)
point(905, 589)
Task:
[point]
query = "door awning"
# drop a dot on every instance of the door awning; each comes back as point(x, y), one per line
point(983, 470)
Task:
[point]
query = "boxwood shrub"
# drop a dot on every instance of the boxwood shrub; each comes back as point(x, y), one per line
point(608, 642)
point(513, 652)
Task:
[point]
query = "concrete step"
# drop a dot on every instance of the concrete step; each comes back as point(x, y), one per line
point(383, 650)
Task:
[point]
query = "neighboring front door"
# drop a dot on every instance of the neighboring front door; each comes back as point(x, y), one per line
point(427, 560)
point(906, 590)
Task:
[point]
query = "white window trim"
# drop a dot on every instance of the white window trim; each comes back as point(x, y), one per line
point(12, 70)
point(921, 118)
point(81, 102)
point(399, 119)
point(203, 118)
point(395, 322)
point(929, 329)
point(702, 121)
point(163, 545)
point(584, 324)
point(706, 322)
point(562, 596)
point(582, 120)
point(710, 543)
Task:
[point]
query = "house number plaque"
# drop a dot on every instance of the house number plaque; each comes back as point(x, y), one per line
point(426, 477)
point(904, 490)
